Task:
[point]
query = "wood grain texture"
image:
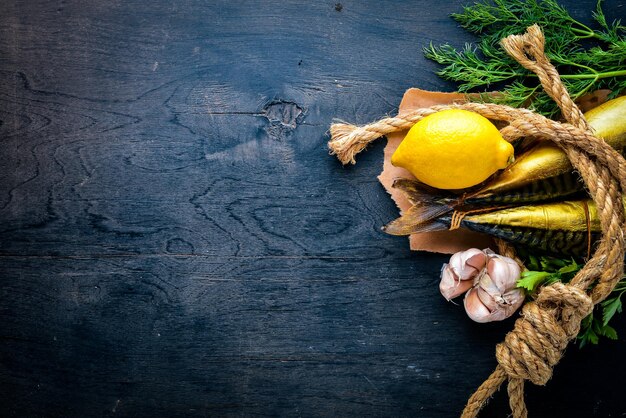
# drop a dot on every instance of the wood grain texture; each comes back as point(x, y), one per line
point(176, 241)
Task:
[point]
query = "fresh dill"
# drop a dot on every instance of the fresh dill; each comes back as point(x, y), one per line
point(587, 58)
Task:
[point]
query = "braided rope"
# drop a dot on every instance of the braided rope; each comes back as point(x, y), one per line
point(547, 325)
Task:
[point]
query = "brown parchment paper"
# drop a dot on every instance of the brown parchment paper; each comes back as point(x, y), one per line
point(447, 242)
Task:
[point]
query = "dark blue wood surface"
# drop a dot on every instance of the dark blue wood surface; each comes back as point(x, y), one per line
point(175, 239)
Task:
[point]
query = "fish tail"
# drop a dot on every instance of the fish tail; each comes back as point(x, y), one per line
point(428, 203)
point(398, 227)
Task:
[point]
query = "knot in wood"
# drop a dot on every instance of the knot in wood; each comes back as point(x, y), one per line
point(536, 344)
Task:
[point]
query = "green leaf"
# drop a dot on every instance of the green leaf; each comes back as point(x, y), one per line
point(530, 280)
point(592, 337)
point(586, 322)
point(570, 268)
point(608, 332)
point(533, 262)
point(587, 334)
point(592, 328)
point(588, 337)
point(610, 307)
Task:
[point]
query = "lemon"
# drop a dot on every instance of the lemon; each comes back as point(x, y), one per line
point(453, 149)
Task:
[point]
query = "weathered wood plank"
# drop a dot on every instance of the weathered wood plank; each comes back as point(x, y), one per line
point(246, 338)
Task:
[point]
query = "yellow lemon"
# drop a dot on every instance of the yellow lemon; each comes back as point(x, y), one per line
point(453, 149)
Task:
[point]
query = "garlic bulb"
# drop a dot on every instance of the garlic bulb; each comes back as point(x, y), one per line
point(490, 282)
point(457, 275)
point(494, 295)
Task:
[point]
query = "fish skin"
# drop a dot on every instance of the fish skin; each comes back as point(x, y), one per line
point(556, 242)
point(567, 216)
point(545, 160)
point(562, 228)
point(560, 186)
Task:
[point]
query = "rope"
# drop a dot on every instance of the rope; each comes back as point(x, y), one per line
point(588, 224)
point(458, 216)
point(548, 324)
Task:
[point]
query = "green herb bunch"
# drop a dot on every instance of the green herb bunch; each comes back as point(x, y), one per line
point(544, 270)
point(587, 58)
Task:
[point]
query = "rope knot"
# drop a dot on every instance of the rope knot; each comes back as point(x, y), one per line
point(547, 325)
point(573, 303)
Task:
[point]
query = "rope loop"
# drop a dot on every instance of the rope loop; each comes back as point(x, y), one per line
point(540, 335)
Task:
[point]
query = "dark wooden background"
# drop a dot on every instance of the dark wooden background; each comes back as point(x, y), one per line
point(175, 239)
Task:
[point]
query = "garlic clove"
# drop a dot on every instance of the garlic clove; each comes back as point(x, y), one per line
point(487, 298)
point(486, 302)
point(514, 298)
point(507, 309)
point(475, 308)
point(476, 259)
point(503, 271)
point(499, 314)
point(486, 283)
point(451, 286)
point(467, 264)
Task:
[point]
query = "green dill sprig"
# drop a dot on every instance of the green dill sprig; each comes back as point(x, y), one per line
point(587, 58)
point(545, 270)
